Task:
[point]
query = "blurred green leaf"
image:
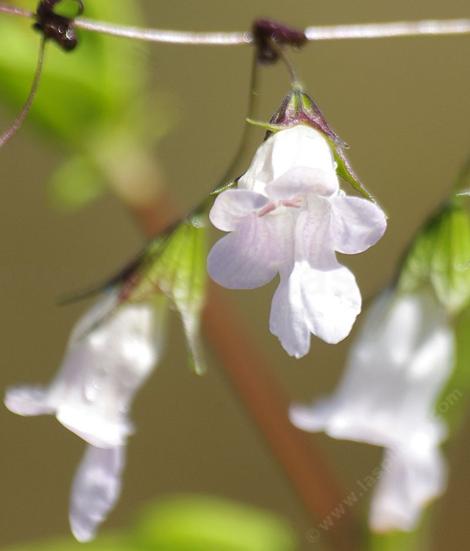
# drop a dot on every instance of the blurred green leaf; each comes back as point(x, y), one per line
point(103, 543)
point(175, 264)
point(92, 101)
point(453, 400)
point(189, 523)
point(212, 524)
point(83, 91)
point(67, 8)
point(75, 183)
point(400, 541)
point(440, 257)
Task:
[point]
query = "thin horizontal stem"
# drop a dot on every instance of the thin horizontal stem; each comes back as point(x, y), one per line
point(13, 10)
point(313, 34)
point(389, 30)
point(169, 37)
point(334, 32)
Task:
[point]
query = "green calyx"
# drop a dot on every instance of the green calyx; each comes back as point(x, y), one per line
point(440, 257)
point(174, 265)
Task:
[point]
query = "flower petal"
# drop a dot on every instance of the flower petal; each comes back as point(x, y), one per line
point(358, 224)
point(250, 256)
point(324, 303)
point(103, 370)
point(409, 480)
point(95, 316)
point(233, 205)
point(287, 319)
point(332, 300)
point(300, 145)
point(395, 370)
point(313, 235)
point(109, 356)
point(95, 490)
point(302, 181)
point(28, 400)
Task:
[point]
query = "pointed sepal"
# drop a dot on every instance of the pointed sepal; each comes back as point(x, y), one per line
point(175, 264)
point(300, 108)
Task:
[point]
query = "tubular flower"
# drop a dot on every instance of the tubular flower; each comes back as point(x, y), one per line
point(396, 370)
point(110, 354)
point(288, 216)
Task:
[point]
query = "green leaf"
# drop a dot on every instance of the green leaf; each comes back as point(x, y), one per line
point(92, 101)
point(440, 257)
point(83, 91)
point(207, 523)
point(175, 264)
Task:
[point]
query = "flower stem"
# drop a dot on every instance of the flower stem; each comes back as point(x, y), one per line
point(315, 33)
point(18, 122)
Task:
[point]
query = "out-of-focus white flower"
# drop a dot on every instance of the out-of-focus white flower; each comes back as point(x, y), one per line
point(95, 490)
point(111, 352)
point(396, 370)
point(288, 216)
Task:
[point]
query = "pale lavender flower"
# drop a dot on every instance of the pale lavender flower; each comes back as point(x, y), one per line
point(395, 372)
point(288, 216)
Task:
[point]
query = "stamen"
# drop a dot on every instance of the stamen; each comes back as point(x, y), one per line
point(267, 209)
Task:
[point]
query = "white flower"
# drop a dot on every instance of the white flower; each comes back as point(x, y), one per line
point(396, 370)
point(110, 354)
point(288, 216)
point(107, 360)
point(95, 490)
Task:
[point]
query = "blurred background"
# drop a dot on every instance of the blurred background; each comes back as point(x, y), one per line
point(403, 106)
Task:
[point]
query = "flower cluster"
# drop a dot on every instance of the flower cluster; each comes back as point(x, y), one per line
point(288, 216)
